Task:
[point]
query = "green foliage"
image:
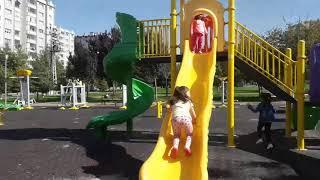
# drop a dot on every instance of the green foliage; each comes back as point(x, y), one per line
point(292, 33)
point(61, 74)
point(87, 62)
point(42, 71)
point(101, 85)
point(77, 65)
point(16, 60)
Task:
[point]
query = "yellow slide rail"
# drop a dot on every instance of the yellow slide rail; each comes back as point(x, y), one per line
point(154, 38)
point(270, 61)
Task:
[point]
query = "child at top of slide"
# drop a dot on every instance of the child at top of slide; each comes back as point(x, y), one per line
point(198, 31)
point(183, 118)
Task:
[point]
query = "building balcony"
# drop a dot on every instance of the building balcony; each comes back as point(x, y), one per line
point(31, 32)
point(33, 41)
point(31, 23)
point(34, 6)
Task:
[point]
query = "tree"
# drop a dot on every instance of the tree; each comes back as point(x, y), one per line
point(78, 63)
point(87, 62)
point(292, 33)
point(61, 74)
point(16, 60)
point(42, 71)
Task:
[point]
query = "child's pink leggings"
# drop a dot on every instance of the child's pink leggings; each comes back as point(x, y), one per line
point(179, 123)
point(197, 42)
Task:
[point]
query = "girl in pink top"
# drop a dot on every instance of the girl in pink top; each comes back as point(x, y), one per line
point(198, 31)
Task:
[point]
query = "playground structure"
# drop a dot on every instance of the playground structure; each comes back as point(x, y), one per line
point(119, 65)
point(148, 41)
point(223, 89)
point(73, 95)
point(23, 98)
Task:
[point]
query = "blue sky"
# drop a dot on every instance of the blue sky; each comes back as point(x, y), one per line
point(85, 16)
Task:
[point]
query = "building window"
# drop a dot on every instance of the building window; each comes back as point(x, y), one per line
point(8, 22)
point(17, 44)
point(31, 37)
point(41, 6)
point(33, 28)
point(32, 2)
point(17, 14)
point(32, 19)
point(17, 33)
point(41, 31)
point(7, 43)
point(17, 4)
point(32, 10)
point(41, 23)
point(8, 11)
point(33, 47)
point(7, 31)
point(9, 2)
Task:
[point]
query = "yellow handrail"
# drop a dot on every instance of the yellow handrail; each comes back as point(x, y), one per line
point(261, 55)
point(154, 38)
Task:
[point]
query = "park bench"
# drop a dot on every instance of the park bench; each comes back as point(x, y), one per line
point(110, 99)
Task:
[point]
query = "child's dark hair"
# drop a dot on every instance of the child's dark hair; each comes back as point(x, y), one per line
point(266, 97)
point(199, 16)
point(180, 93)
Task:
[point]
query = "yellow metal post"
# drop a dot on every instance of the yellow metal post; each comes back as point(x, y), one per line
point(231, 54)
point(159, 109)
point(288, 80)
point(173, 43)
point(1, 118)
point(300, 92)
point(181, 11)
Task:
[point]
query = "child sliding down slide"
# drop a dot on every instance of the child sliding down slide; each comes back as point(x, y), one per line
point(183, 118)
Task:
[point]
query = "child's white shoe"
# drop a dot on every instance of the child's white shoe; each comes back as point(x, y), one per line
point(270, 146)
point(259, 141)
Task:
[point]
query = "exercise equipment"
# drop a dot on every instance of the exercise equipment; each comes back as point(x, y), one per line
point(73, 95)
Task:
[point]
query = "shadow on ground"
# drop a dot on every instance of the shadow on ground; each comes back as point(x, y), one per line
point(111, 158)
point(284, 151)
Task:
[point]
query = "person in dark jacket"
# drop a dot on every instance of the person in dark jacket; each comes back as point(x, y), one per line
point(266, 117)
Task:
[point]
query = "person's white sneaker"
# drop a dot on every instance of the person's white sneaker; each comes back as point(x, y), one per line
point(259, 141)
point(270, 146)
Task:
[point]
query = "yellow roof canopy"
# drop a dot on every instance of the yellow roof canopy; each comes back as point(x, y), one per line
point(24, 72)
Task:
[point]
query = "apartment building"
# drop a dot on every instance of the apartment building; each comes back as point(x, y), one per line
point(66, 45)
point(29, 25)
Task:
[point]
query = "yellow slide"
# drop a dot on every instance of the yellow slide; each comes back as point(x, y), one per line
point(196, 72)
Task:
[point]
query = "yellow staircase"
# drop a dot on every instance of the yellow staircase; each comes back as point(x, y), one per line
point(275, 70)
point(267, 61)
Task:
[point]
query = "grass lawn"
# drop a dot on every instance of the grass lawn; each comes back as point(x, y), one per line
point(249, 93)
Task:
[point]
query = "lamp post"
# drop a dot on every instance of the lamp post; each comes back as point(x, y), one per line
point(5, 82)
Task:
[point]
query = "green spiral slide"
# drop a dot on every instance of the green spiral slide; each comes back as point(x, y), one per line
point(119, 65)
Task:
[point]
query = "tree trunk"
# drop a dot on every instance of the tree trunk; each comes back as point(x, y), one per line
point(114, 88)
point(155, 89)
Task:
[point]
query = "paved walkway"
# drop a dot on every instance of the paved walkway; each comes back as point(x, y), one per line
point(50, 144)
